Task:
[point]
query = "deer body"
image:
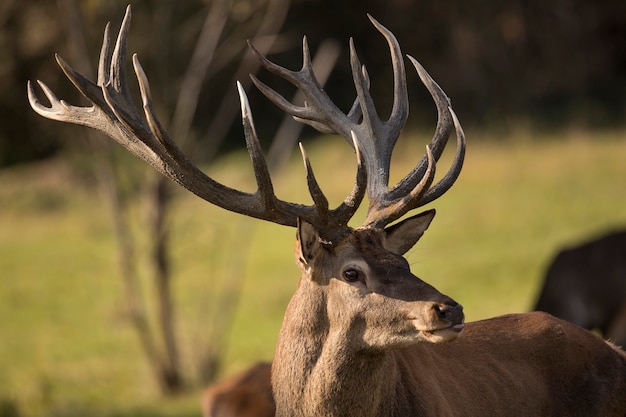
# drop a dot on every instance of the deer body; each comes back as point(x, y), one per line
point(363, 336)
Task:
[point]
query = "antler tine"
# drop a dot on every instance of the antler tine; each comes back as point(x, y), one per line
point(261, 170)
point(400, 108)
point(350, 205)
point(105, 59)
point(117, 70)
point(451, 176)
point(319, 199)
point(379, 217)
point(440, 137)
point(353, 115)
point(377, 138)
point(319, 111)
point(338, 218)
point(355, 112)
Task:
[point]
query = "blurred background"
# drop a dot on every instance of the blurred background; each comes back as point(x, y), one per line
point(122, 295)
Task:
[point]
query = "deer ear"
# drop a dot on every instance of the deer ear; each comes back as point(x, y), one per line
point(307, 243)
point(401, 237)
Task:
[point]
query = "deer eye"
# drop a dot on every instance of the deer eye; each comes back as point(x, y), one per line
point(351, 275)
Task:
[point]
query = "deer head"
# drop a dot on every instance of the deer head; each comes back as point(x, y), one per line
point(369, 290)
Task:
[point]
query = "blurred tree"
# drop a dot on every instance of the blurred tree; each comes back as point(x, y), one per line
point(219, 23)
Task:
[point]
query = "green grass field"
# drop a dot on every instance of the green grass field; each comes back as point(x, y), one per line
point(66, 350)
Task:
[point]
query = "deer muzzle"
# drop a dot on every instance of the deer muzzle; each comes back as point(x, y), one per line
point(447, 322)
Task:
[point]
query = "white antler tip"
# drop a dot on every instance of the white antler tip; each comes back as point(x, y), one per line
point(357, 149)
point(374, 21)
point(128, 13)
point(302, 151)
point(243, 98)
point(305, 158)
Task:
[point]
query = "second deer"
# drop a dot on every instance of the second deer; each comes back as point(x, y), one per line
point(586, 284)
point(246, 394)
point(362, 335)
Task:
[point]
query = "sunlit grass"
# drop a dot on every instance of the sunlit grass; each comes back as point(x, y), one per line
point(67, 350)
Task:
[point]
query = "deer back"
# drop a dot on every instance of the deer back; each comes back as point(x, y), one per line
point(521, 365)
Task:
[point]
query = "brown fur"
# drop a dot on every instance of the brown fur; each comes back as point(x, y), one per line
point(246, 394)
point(331, 360)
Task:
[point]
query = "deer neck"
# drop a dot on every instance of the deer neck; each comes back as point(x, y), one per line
point(318, 372)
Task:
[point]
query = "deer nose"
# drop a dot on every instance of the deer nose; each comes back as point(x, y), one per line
point(449, 312)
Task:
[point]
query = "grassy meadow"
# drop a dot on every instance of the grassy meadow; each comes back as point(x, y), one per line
point(66, 349)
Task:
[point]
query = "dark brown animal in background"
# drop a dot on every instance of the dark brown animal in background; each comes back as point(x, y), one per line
point(362, 336)
point(617, 330)
point(586, 284)
point(246, 394)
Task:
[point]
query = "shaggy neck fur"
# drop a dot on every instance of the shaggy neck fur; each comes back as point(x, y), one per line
point(321, 374)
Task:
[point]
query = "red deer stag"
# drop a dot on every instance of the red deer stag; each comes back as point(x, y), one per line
point(586, 284)
point(363, 336)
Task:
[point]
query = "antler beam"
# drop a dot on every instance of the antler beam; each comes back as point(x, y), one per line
point(113, 113)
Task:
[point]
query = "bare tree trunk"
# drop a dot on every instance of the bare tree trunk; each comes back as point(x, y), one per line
point(171, 377)
point(135, 307)
point(160, 193)
point(160, 342)
point(166, 370)
point(223, 300)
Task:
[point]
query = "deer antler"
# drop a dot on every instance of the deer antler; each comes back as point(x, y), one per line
point(376, 138)
point(114, 114)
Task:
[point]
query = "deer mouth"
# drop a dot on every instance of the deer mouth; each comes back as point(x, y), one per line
point(444, 334)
